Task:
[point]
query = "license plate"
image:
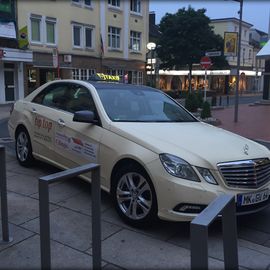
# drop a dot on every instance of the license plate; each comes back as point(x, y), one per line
point(252, 198)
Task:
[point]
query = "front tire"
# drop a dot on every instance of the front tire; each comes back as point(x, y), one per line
point(23, 148)
point(134, 196)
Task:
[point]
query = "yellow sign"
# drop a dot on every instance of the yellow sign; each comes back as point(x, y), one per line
point(230, 43)
point(108, 77)
point(23, 38)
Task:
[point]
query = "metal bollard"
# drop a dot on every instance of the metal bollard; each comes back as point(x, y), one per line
point(44, 182)
point(224, 205)
point(4, 207)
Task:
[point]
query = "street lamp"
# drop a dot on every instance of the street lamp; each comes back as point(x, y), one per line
point(151, 46)
point(238, 61)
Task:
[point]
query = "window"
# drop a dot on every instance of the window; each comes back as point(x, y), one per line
point(83, 74)
point(87, 2)
point(114, 37)
point(77, 36)
point(36, 21)
point(135, 41)
point(135, 6)
point(43, 30)
point(53, 96)
point(81, 3)
point(82, 36)
point(88, 37)
point(116, 72)
point(136, 77)
point(115, 3)
point(50, 30)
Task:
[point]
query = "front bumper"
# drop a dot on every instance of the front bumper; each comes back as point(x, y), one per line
point(173, 192)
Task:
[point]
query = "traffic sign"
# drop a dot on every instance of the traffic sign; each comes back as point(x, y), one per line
point(206, 62)
point(213, 53)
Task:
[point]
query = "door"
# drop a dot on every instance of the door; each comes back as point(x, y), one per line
point(9, 85)
point(77, 143)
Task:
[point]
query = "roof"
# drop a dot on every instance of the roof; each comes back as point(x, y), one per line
point(265, 51)
point(231, 19)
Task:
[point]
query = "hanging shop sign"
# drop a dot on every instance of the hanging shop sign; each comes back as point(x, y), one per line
point(230, 43)
point(7, 30)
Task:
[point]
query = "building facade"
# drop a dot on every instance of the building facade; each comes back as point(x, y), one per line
point(12, 59)
point(77, 38)
point(223, 81)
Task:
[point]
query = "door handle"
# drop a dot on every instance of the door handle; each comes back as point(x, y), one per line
point(34, 111)
point(61, 123)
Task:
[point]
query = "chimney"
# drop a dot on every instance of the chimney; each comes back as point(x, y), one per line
point(152, 18)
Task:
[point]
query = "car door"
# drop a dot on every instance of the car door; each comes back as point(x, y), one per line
point(44, 110)
point(77, 143)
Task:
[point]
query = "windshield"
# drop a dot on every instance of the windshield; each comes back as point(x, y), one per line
point(141, 105)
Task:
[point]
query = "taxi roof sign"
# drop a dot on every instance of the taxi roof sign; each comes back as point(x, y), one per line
point(104, 77)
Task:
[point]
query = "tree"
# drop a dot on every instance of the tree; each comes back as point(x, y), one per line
point(185, 37)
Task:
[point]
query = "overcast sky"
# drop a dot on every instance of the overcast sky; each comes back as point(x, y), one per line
point(254, 12)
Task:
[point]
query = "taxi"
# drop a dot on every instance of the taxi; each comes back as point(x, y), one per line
point(157, 159)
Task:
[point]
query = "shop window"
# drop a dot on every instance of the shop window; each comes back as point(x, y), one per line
point(82, 74)
point(116, 72)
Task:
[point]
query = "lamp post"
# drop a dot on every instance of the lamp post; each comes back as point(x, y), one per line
point(238, 61)
point(151, 46)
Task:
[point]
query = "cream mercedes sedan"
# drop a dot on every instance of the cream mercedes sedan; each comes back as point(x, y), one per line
point(157, 159)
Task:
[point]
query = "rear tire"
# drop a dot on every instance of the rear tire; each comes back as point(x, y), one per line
point(23, 148)
point(134, 196)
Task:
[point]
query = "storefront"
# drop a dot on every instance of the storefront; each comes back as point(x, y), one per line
point(12, 71)
point(219, 81)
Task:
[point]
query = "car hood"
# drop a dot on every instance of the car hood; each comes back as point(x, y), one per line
point(198, 143)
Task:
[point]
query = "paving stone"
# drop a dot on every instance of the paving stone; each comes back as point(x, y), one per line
point(17, 234)
point(26, 255)
point(259, 221)
point(23, 184)
point(82, 202)
point(132, 250)
point(246, 253)
point(72, 228)
point(59, 192)
point(111, 267)
point(267, 243)
point(162, 230)
point(22, 208)
point(252, 235)
point(38, 169)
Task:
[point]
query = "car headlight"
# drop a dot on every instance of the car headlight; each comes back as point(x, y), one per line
point(207, 175)
point(178, 167)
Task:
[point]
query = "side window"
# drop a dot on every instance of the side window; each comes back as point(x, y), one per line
point(55, 96)
point(81, 101)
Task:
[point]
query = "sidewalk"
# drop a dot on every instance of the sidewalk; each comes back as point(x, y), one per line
point(4, 111)
point(253, 121)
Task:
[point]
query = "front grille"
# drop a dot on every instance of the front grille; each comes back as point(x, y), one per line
point(247, 173)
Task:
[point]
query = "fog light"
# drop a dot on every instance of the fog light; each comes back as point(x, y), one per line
point(189, 208)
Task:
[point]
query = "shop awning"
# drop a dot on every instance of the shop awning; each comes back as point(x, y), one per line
point(265, 51)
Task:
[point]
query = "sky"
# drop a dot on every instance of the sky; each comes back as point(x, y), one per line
point(255, 12)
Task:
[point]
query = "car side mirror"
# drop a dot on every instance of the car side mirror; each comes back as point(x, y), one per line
point(85, 117)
